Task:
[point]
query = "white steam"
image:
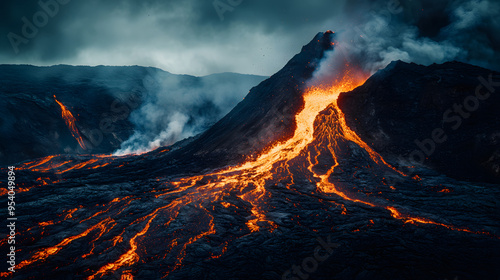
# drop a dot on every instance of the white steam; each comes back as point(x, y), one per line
point(181, 106)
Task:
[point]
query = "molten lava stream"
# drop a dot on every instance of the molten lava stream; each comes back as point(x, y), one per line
point(71, 123)
point(257, 172)
point(35, 163)
point(336, 119)
point(77, 166)
point(171, 210)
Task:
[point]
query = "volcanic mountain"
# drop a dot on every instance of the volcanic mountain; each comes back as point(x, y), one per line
point(453, 99)
point(301, 180)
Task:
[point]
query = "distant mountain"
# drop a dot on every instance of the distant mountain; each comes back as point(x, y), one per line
point(102, 100)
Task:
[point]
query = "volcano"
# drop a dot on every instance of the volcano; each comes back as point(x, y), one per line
point(301, 180)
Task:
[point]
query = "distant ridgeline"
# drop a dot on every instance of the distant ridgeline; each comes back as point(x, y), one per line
point(102, 100)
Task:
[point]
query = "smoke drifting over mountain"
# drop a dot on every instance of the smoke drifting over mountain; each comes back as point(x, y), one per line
point(177, 107)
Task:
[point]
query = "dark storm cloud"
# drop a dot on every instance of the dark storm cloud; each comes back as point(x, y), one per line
point(254, 36)
point(178, 36)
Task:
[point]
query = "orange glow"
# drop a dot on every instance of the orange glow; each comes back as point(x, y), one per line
point(130, 257)
point(45, 253)
point(127, 276)
point(225, 204)
point(44, 224)
point(344, 132)
point(50, 167)
point(71, 123)
point(35, 163)
point(70, 213)
point(409, 219)
point(259, 171)
point(100, 165)
point(211, 230)
point(77, 166)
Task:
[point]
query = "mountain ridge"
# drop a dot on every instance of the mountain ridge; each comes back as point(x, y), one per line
point(100, 97)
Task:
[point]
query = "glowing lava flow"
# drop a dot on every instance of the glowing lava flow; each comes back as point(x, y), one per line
point(44, 254)
point(71, 123)
point(130, 256)
point(256, 173)
point(336, 119)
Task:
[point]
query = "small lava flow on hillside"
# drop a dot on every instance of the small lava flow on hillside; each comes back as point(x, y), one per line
point(239, 202)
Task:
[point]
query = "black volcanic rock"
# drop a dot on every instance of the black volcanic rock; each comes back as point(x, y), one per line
point(403, 104)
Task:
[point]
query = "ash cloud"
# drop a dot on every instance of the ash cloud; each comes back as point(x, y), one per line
point(422, 32)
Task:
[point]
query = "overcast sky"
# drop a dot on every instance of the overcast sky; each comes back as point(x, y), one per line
point(201, 37)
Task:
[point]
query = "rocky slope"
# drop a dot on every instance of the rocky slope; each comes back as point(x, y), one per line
point(441, 116)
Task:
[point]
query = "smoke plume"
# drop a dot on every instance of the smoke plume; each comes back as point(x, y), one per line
point(423, 32)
